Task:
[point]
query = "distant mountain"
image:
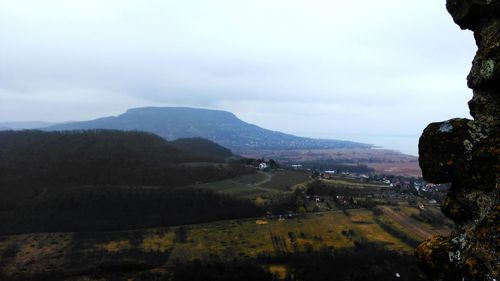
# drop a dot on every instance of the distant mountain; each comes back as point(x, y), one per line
point(221, 127)
point(28, 125)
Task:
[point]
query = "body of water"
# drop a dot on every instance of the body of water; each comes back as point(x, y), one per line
point(404, 144)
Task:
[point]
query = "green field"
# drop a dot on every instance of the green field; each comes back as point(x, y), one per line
point(352, 183)
point(261, 184)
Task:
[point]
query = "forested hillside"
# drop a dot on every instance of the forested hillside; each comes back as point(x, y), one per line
point(108, 157)
point(109, 180)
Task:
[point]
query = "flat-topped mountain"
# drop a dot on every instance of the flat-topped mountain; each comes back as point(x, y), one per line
point(221, 127)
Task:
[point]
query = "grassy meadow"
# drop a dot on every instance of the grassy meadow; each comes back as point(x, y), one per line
point(259, 186)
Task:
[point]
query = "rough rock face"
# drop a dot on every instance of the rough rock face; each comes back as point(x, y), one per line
point(466, 153)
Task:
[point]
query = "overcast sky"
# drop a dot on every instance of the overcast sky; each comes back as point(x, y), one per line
point(376, 71)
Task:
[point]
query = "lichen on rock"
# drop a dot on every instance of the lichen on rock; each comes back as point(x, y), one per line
point(466, 153)
point(434, 258)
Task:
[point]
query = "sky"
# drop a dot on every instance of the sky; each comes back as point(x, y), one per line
point(371, 71)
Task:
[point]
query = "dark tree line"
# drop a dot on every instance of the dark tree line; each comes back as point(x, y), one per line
point(198, 270)
point(99, 208)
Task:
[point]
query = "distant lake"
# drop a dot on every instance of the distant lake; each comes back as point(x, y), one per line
point(404, 144)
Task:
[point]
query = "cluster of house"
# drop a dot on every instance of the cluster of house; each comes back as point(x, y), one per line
point(332, 173)
point(408, 183)
point(418, 185)
point(398, 182)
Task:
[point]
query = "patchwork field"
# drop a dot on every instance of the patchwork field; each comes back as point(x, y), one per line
point(47, 253)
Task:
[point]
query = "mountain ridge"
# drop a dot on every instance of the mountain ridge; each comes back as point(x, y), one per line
point(222, 127)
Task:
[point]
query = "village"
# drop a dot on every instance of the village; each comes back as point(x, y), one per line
point(340, 190)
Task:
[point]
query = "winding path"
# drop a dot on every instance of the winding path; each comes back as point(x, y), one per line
point(268, 178)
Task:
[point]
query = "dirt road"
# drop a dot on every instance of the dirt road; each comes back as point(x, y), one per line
point(267, 178)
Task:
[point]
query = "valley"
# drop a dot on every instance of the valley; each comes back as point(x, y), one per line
point(249, 140)
point(107, 204)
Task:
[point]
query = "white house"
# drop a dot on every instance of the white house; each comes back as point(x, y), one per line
point(262, 166)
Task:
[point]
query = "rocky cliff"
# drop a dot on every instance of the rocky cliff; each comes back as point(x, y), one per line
point(466, 153)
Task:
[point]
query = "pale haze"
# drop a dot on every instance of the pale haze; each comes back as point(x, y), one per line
point(371, 71)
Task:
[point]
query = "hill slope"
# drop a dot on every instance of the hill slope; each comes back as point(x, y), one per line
point(111, 180)
point(201, 148)
point(221, 127)
point(103, 157)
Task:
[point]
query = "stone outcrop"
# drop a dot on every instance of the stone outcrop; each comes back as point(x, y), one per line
point(466, 153)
